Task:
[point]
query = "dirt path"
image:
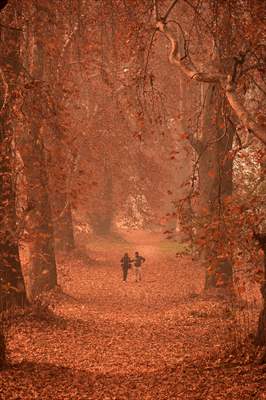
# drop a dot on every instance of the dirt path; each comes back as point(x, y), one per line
point(110, 340)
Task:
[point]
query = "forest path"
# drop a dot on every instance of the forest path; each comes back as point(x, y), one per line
point(114, 340)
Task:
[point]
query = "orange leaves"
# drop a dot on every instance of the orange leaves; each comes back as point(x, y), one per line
point(243, 155)
point(138, 135)
point(261, 253)
point(212, 173)
point(241, 289)
point(183, 136)
point(201, 242)
point(227, 199)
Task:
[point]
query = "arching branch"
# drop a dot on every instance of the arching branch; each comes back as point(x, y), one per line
point(242, 113)
point(186, 65)
point(169, 10)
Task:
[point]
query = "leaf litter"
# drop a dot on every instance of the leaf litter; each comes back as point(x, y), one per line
point(158, 339)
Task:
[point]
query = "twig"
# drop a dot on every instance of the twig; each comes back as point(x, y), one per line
point(169, 10)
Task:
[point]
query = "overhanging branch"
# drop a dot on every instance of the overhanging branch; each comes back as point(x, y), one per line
point(186, 65)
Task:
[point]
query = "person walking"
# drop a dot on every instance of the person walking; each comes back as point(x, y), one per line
point(138, 261)
point(126, 265)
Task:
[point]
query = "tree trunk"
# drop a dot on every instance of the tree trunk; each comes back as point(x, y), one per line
point(12, 287)
point(60, 202)
point(39, 228)
point(102, 217)
point(101, 224)
point(2, 348)
point(63, 223)
point(261, 331)
point(215, 181)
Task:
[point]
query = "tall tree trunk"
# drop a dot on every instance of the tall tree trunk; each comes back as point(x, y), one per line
point(261, 331)
point(60, 201)
point(215, 181)
point(102, 217)
point(62, 222)
point(12, 287)
point(39, 226)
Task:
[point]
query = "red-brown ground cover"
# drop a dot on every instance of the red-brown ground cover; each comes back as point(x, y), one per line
point(158, 339)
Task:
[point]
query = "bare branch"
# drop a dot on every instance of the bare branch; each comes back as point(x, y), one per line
point(244, 116)
point(169, 10)
point(186, 65)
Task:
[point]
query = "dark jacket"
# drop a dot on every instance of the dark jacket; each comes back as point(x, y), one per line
point(125, 262)
point(138, 261)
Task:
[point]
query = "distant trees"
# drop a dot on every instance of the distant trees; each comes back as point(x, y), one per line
point(118, 141)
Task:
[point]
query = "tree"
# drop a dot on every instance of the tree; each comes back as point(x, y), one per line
point(227, 79)
point(261, 332)
point(238, 70)
point(39, 229)
point(118, 144)
point(212, 142)
point(12, 287)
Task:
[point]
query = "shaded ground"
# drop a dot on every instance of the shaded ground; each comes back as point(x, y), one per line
point(158, 339)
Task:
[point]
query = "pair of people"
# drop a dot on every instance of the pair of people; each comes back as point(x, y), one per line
point(126, 262)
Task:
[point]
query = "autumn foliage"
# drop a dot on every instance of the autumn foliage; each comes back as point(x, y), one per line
point(130, 124)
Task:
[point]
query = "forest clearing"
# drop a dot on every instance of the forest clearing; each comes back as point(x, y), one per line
point(157, 339)
point(132, 199)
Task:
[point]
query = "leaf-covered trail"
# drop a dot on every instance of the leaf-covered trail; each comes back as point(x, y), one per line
point(111, 340)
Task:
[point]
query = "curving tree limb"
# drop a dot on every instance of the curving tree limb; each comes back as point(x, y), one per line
point(186, 65)
point(242, 113)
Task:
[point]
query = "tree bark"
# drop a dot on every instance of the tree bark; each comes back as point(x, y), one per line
point(12, 287)
point(39, 228)
point(215, 182)
point(186, 65)
point(101, 217)
point(59, 197)
point(261, 331)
